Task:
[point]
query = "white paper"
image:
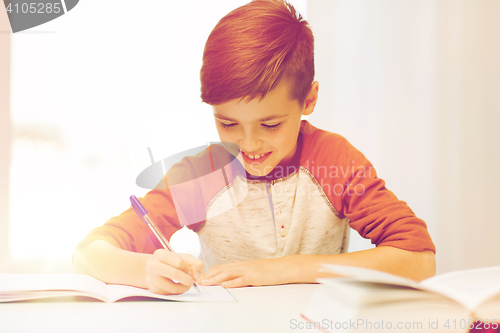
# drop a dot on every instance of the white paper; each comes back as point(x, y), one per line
point(206, 294)
point(369, 275)
point(469, 287)
point(31, 286)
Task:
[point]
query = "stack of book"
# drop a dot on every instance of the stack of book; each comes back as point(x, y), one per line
point(365, 300)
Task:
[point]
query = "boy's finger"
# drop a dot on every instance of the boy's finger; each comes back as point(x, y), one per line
point(172, 259)
point(179, 276)
point(238, 282)
point(167, 271)
point(197, 277)
point(198, 267)
point(160, 285)
point(215, 270)
point(195, 264)
point(221, 277)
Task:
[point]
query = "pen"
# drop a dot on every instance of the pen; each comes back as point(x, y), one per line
point(143, 215)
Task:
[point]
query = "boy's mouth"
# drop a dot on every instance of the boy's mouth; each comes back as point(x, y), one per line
point(255, 158)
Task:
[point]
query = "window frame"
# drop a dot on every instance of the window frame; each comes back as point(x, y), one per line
point(5, 136)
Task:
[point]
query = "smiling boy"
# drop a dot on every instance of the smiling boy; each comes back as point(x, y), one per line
point(303, 187)
point(267, 128)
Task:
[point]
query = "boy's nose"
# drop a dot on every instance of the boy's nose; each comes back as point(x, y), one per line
point(250, 142)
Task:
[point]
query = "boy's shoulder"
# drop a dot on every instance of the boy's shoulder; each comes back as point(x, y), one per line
point(322, 145)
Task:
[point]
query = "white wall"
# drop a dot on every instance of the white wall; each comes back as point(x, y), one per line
point(83, 89)
point(5, 134)
point(415, 85)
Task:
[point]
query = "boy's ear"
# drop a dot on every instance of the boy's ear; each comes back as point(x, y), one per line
point(311, 99)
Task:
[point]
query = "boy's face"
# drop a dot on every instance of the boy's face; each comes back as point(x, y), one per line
point(268, 127)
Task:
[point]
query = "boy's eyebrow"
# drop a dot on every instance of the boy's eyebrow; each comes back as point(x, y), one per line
point(218, 116)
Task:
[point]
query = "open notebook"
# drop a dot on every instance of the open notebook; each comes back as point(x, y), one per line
point(20, 287)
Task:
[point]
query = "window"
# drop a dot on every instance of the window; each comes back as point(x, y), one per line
point(90, 91)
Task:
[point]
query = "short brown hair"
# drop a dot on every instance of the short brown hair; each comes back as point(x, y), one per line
point(253, 48)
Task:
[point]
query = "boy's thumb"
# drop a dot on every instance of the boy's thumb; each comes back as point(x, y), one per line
point(196, 264)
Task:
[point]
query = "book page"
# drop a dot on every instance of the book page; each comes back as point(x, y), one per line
point(355, 292)
point(206, 294)
point(470, 287)
point(417, 312)
point(369, 275)
point(489, 309)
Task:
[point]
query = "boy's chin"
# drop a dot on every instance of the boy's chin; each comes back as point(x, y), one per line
point(256, 170)
point(260, 171)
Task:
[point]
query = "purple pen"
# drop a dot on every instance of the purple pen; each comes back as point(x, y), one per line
point(143, 215)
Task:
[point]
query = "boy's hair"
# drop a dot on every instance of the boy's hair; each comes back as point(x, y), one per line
point(253, 48)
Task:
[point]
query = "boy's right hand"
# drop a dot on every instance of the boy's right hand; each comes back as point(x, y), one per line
point(165, 267)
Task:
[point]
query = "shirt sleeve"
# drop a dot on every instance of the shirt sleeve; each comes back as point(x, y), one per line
point(179, 199)
point(128, 232)
point(374, 211)
point(356, 192)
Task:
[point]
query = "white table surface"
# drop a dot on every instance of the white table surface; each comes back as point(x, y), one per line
point(259, 309)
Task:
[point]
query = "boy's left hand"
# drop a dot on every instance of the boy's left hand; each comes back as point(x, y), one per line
point(262, 272)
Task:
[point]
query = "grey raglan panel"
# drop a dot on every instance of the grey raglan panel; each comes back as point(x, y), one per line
point(304, 222)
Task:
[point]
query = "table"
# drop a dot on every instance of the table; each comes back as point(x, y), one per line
point(259, 309)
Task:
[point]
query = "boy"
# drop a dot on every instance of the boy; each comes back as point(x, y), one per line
point(300, 188)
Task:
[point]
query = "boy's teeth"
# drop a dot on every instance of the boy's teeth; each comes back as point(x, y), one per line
point(253, 157)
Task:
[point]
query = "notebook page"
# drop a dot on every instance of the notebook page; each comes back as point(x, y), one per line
point(13, 296)
point(45, 282)
point(206, 294)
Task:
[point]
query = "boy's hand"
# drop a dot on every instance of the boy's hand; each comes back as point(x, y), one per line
point(263, 272)
point(165, 267)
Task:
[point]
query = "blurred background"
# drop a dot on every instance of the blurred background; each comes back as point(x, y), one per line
point(414, 85)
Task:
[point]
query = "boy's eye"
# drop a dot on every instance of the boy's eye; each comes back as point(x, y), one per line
point(228, 125)
point(272, 127)
point(268, 127)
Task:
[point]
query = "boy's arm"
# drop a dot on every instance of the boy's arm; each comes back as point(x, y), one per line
point(304, 268)
point(409, 264)
point(155, 272)
point(110, 264)
point(125, 251)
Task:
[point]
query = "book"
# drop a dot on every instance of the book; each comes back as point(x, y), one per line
point(23, 287)
point(366, 300)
